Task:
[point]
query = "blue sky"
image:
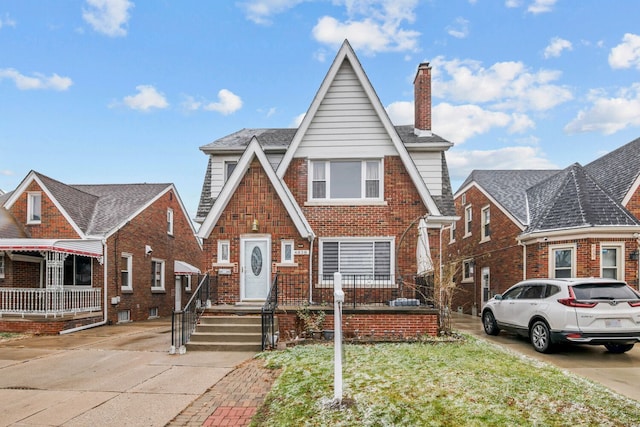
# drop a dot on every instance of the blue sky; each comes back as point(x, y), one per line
point(125, 91)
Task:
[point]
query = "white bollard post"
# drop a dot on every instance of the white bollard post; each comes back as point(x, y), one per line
point(338, 299)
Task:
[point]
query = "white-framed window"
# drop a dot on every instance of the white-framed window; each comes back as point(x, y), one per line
point(467, 270)
point(463, 199)
point(468, 217)
point(157, 274)
point(153, 313)
point(1, 266)
point(34, 207)
point(287, 252)
point(485, 217)
point(124, 316)
point(229, 166)
point(170, 221)
point(562, 261)
point(223, 252)
point(77, 271)
point(452, 232)
point(126, 271)
point(345, 179)
point(186, 282)
point(358, 259)
point(612, 261)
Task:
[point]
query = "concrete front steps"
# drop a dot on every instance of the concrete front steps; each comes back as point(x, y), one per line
point(229, 332)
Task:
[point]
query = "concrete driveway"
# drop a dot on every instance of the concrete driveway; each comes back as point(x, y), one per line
point(619, 372)
point(112, 375)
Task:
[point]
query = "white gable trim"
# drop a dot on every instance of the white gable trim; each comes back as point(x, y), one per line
point(347, 53)
point(32, 176)
point(228, 190)
point(631, 192)
point(493, 201)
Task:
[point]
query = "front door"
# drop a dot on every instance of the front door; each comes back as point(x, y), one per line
point(255, 268)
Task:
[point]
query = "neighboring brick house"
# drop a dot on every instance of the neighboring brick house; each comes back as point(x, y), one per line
point(522, 224)
point(342, 192)
point(78, 255)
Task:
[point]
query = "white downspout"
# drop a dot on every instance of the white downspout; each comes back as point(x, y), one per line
point(311, 240)
point(524, 260)
point(104, 320)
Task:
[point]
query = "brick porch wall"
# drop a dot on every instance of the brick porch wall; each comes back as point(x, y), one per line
point(45, 326)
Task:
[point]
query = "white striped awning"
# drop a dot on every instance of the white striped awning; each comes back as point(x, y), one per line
point(90, 248)
point(182, 268)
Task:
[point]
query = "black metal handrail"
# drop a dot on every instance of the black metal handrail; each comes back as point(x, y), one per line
point(269, 334)
point(184, 322)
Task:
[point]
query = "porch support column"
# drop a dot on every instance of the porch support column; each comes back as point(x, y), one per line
point(54, 280)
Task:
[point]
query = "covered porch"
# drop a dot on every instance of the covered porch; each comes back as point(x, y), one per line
point(49, 278)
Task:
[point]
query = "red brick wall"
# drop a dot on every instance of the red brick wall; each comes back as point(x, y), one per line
point(254, 199)
point(501, 253)
point(377, 324)
point(150, 228)
point(53, 224)
point(44, 326)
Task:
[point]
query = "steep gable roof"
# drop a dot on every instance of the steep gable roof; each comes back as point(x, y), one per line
point(618, 171)
point(507, 188)
point(346, 54)
point(254, 151)
point(573, 199)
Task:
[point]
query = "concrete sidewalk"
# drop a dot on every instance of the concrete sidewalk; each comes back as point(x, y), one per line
point(119, 375)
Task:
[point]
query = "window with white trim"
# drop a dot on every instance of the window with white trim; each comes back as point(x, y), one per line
point(157, 275)
point(485, 217)
point(611, 264)
point(124, 316)
point(562, 261)
point(170, 221)
point(77, 271)
point(153, 313)
point(126, 274)
point(452, 232)
point(467, 270)
point(468, 216)
point(228, 169)
point(223, 252)
point(287, 252)
point(34, 207)
point(357, 259)
point(345, 180)
point(1, 266)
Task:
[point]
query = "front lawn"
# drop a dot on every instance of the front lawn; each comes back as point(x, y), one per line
point(468, 383)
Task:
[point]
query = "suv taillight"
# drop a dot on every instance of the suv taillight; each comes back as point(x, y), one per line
point(634, 303)
point(571, 302)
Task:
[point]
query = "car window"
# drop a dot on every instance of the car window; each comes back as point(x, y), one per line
point(532, 292)
point(512, 293)
point(590, 291)
point(551, 290)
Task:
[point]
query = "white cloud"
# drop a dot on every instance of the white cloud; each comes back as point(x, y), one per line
point(37, 81)
point(541, 6)
point(189, 103)
point(556, 46)
point(504, 85)
point(608, 115)
point(371, 27)
point(108, 16)
point(146, 99)
point(228, 103)
point(7, 21)
point(261, 11)
point(461, 163)
point(513, 3)
point(627, 53)
point(297, 120)
point(460, 29)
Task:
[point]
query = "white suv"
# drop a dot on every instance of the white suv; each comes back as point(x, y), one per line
point(582, 311)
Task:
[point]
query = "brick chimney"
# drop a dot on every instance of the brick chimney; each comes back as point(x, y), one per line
point(422, 100)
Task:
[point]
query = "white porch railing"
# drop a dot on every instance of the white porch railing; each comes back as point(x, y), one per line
point(49, 302)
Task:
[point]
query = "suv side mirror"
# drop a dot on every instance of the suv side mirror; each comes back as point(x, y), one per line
point(498, 297)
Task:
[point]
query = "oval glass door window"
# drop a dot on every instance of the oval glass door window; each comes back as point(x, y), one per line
point(256, 261)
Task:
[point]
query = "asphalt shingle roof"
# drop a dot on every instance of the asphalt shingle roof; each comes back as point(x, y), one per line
point(618, 170)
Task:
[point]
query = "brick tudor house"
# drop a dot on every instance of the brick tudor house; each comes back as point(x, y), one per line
point(343, 192)
point(76, 256)
point(523, 224)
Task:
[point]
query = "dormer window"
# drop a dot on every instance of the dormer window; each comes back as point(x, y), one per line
point(170, 221)
point(345, 180)
point(34, 208)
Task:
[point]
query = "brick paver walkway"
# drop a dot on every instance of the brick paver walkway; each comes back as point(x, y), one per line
point(233, 400)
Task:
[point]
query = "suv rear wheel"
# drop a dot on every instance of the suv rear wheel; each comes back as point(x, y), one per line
point(489, 323)
point(618, 348)
point(540, 336)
